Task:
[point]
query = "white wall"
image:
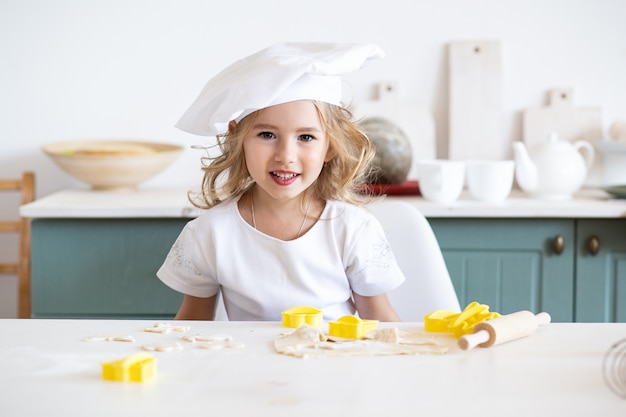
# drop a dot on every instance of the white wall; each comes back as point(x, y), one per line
point(129, 68)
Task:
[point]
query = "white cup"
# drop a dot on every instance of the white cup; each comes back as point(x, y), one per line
point(490, 181)
point(441, 180)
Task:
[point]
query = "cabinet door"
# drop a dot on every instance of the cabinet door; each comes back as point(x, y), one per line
point(510, 264)
point(601, 276)
point(102, 268)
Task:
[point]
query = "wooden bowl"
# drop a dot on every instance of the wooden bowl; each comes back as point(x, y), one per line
point(109, 164)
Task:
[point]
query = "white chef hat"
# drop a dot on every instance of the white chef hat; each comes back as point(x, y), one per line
point(279, 74)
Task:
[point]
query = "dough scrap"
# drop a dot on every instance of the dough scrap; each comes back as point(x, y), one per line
point(166, 328)
point(213, 342)
point(302, 337)
point(109, 339)
point(389, 335)
point(162, 347)
point(219, 345)
point(234, 345)
point(216, 338)
point(309, 342)
point(211, 346)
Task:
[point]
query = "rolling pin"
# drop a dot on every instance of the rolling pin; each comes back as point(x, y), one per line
point(503, 329)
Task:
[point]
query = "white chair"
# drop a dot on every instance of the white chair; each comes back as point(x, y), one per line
point(220, 309)
point(428, 286)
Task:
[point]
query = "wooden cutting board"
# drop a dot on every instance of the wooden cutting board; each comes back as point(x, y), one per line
point(475, 108)
point(569, 122)
point(415, 121)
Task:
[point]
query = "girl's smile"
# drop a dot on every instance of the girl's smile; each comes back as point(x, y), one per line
point(284, 178)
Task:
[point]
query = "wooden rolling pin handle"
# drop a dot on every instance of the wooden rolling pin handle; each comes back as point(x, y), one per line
point(517, 325)
point(543, 318)
point(470, 341)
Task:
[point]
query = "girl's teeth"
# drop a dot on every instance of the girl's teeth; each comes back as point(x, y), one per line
point(284, 177)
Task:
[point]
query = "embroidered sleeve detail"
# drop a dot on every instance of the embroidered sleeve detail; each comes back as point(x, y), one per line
point(381, 256)
point(179, 259)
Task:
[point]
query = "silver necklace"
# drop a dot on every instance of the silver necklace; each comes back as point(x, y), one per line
point(306, 213)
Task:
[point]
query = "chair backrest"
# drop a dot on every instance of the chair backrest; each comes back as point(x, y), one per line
point(428, 286)
point(220, 313)
point(21, 226)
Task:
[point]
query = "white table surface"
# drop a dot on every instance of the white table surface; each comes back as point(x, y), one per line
point(46, 369)
point(173, 202)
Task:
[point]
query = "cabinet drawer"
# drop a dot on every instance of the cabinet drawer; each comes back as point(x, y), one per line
point(102, 268)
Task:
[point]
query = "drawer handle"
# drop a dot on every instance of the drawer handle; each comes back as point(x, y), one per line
point(557, 245)
point(594, 245)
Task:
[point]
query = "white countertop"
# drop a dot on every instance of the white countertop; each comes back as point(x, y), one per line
point(85, 203)
point(585, 204)
point(173, 202)
point(46, 369)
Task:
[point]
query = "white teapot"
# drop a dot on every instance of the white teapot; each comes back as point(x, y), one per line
point(554, 169)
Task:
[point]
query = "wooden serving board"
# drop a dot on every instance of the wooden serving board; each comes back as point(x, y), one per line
point(475, 108)
point(569, 122)
point(415, 121)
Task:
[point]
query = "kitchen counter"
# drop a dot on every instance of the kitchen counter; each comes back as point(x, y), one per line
point(85, 203)
point(46, 367)
point(95, 254)
point(173, 203)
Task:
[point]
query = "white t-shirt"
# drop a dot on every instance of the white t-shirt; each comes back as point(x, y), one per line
point(261, 276)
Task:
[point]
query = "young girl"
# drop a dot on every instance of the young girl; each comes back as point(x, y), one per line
point(284, 226)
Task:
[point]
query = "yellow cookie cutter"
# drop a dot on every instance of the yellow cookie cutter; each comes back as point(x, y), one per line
point(439, 320)
point(137, 367)
point(351, 327)
point(295, 317)
point(458, 323)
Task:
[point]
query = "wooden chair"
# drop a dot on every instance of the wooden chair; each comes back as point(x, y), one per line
point(26, 187)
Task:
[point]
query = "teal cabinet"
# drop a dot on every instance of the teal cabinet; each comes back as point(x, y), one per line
point(106, 268)
point(601, 271)
point(511, 264)
point(575, 269)
point(102, 268)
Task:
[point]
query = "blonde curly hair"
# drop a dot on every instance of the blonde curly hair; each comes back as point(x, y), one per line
point(343, 177)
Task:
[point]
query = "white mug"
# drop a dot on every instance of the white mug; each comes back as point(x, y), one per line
point(441, 180)
point(490, 181)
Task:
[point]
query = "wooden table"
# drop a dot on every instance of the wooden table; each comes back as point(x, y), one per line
point(47, 369)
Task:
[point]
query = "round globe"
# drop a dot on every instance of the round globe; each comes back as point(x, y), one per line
point(393, 158)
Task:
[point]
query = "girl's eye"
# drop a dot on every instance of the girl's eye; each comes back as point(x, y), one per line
point(266, 135)
point(306, 138)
